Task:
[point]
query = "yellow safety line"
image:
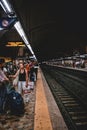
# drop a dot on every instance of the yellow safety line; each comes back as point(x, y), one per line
point(42, 118)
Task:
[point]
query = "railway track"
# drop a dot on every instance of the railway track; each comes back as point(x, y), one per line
point(72, 103)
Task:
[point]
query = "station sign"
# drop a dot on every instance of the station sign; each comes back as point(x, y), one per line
point(15, 44)
point(7, 59)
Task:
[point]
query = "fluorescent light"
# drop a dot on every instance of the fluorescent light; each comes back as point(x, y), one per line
point(21, 32)
point(19, 29)
point(7, 8)
point(3, 6)
point(29, 47)
point(34, 57)
point(25, 39)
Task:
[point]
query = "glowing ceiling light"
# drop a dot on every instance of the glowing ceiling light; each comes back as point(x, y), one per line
point(29, 47)
point(7, 7)
point(3, 6)
point(19, 29)
point(34, 57)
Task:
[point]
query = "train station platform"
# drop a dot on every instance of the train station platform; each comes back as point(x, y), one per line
point(42, 112)
point(47, 113)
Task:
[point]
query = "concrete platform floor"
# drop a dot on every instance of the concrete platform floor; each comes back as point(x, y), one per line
point(25, 122)
point(41, 113)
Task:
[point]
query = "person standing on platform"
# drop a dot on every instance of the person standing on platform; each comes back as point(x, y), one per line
point(36, 68)
point(3, 88)
point(22, 77)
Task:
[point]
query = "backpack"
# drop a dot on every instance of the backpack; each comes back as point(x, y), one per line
point(15, 102)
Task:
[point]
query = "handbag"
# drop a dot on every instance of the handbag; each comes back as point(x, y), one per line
point(15, 81)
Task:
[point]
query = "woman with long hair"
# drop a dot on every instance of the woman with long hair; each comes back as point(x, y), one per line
point(22, 77)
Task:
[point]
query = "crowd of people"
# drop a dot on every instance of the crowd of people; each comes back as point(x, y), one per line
point(21, 75)
point(70, 62)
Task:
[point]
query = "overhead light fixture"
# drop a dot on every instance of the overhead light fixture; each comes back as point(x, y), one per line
point(7, 7)
point(21, 32)
point(19, 29)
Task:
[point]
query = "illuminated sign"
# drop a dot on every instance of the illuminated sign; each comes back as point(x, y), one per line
point(7, 59)
point(15, 44)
